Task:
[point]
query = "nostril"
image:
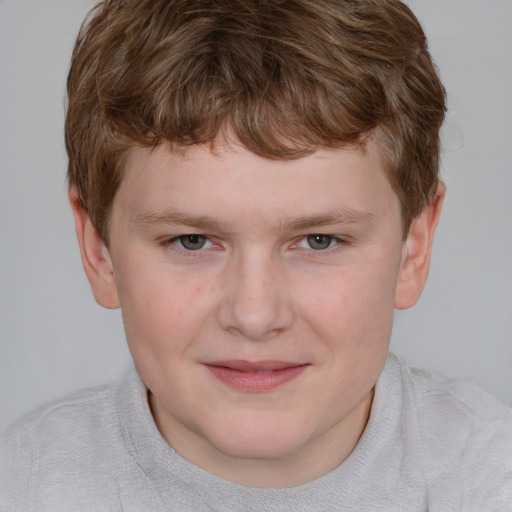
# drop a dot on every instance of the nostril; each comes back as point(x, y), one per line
point(255, 321)
point(255, 304)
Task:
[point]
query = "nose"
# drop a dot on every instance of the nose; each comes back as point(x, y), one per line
point(256, 303)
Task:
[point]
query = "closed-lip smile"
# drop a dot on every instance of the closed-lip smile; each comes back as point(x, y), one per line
point(257, 376)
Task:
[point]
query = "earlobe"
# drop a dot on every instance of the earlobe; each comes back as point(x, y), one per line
point(416, 252)
point(96, 258)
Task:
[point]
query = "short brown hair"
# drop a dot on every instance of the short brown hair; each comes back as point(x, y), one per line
point(283, 76)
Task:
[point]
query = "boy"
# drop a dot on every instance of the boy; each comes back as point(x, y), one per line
point(255, 185)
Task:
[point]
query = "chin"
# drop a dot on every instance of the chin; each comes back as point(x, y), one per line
point(264, 443)
point(257, 450)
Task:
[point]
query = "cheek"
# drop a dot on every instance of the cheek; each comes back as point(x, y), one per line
point(162, 310)
point(354, 306)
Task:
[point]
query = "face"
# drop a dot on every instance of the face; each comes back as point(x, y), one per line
point(257, 298)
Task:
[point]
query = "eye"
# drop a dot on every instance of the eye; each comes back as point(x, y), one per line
point(192, 242)
point(318, 242)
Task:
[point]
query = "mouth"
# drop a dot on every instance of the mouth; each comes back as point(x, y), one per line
point(259, 376)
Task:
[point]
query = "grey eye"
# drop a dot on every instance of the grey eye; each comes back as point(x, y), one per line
point(192, 242)
point(319, 242)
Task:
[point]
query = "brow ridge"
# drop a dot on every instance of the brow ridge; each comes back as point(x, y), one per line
point(173, 216)
point(345, 216)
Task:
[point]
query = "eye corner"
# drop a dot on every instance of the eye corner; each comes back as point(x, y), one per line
point(319, 243)
point(188, 242)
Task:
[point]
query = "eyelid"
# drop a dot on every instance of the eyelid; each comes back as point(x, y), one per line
point(178, 247)
point(338, 243)
point(335, 241)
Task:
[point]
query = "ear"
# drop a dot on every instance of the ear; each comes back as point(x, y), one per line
point(416, 252)
point(96, 258)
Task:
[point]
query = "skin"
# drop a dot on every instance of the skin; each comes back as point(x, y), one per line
point(257, 290)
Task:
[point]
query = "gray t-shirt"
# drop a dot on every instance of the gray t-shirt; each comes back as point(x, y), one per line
point(430, 444)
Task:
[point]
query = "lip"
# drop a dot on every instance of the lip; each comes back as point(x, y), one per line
point(258, 376)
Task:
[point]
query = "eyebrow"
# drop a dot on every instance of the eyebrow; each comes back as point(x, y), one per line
point(177, 217)
point(346, 216)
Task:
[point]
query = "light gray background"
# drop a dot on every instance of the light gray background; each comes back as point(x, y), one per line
point(55, 339)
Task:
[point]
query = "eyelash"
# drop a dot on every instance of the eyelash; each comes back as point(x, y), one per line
point(333, 241)
point(183, 250)
point(335, 244)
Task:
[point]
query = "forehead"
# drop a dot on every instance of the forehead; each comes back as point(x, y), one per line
point(211, 181)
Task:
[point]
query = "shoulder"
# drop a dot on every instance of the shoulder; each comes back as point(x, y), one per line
point(453, 403)
point(463, 436)
point(55, 446)
point(80, 413)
